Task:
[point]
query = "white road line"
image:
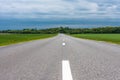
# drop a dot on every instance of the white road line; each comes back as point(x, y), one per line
point(63, 44)
point(66, 71)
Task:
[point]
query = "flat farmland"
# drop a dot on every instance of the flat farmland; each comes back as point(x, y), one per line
point(6, 39)
point(113, 38)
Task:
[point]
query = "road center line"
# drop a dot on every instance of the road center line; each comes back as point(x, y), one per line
point(66, 71)
point(63, 44)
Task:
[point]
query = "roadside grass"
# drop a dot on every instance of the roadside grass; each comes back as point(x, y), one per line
point(7, 39)
point(113, 38)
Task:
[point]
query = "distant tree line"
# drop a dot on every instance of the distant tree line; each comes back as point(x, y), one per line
point(66, 30)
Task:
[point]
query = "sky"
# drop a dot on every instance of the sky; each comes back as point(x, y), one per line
point(55, 10)
point(59, 9)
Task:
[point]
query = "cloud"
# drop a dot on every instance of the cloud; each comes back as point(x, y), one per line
point(58, 8)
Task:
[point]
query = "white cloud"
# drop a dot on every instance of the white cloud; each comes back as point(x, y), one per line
point(111, 8)
point(51, 8)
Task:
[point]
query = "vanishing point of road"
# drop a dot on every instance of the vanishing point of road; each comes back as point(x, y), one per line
point(60, 58)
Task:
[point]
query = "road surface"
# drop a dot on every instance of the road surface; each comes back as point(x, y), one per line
point(59, 58)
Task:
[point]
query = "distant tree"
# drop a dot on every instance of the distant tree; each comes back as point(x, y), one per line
point(65, 30)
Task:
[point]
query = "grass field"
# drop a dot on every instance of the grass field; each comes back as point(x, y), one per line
point(113, 38)
point(6, 39)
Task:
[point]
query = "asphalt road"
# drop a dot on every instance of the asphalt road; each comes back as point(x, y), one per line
point(42, 59)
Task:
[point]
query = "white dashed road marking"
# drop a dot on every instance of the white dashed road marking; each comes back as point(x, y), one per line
point(66, 71)
point(63, 44)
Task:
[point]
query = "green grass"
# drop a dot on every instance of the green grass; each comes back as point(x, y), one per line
point(6, 39)
point(113, 38)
